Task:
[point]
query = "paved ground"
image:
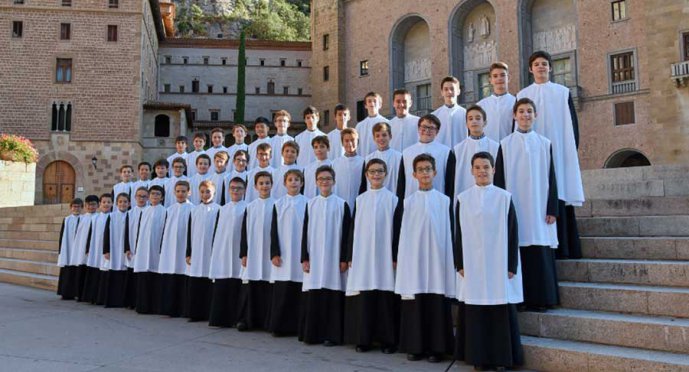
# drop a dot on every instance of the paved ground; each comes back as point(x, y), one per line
point(40, 332)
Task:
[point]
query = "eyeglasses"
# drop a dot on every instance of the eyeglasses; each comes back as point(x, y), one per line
point(236, 188)
point(425, 170)
point(374, 172)
point(179, 167)
point(428, 128)
point(324, 179)
point(142, 196)
point(240, 160)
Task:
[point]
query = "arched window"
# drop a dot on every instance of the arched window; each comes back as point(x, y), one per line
point(162, 126)
point(61, 117)
point(410, 67)
point(627, 158)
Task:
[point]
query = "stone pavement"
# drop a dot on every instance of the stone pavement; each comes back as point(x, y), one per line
point(40, 332)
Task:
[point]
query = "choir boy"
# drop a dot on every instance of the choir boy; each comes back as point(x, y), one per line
point(147, 252)
point(179, 166)
point(403, 125)
point(263, 152)
point(321, 146)
point(218, 177)
point(371, 306)
point(257, 290)
point(217, 140)
point(524, 167)
point(199, 141)
point(203, 166)
point(94, 250)
point(350, 167)
point(261, 128)
point(488, 280)
point(394, 176)
point(305, 138)
point(428, 127)
point(202, 228)
point(144, 170)
point(282, 123)
point(239, 132)
point(81, 244)
point(425, 276)
point(285, 253)
point(181, 150)
point(373, 102)
point(240, 160)
point(225, 265)
point(342, 116)
point(66, 283)
point(557, 121)
point(450, 114)
point(290, 152)
point(498, 106)
point(323, 258)
point(160, 178)
point(115, 244)
point(477, 141)
point(135, 213)
point(172, 266)
point(125, 184)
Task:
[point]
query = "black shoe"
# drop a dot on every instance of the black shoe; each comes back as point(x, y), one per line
point(388, 350)
point(362, 348)
point(242, 327)
point(414, 357)
point(434, 358)
point(328, 343)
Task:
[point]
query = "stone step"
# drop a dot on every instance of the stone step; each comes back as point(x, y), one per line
point(29, 279)
point(548, 354)
point(36, 211)
point(636, 331)
point(636, 182)
point(649, 206)
point(31, 219)
point(643, 272)
point(625, 298)
point(43, 268)
point(33, 227)
point(641, 226)
point(647, 248)
point(39, 255)
point(48, 245)
point(30, 235)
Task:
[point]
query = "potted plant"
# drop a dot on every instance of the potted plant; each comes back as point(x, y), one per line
point(17, 149)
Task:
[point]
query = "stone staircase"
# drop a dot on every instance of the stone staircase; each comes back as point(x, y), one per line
point(625, 305)
point(29, 243)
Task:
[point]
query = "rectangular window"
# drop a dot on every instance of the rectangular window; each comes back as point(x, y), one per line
point(185, 60)
point(224, 90)
point(619, 10)
point(18, 2)
point(262, 62)
point(193, 114)
point(61, 117)
point(562, 72)
point(299, 63)
point(326, 73)
point(300, 91)
point(624, 113)
point(326, 118)
point(361, 112)
point(223, 61)
point(166, 88)
point(63, 70)
point(210, 88)
point(65, 31)
point(283, 62)
point(112, 33)
point(685, 45)
point(622, 72)
point(66, 2)
point(181, 88)
point(215, 115)
point(484, 87)
point(363, 68)
point(257, 90)
point(113, 4)
point(195, 86)
point(168, 60)
point(423, 98)
point(17, 28)
point(205, 60)
point(285, 90)
point(326, 42)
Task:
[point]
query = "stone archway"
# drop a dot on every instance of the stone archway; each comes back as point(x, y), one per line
point(51, 157)
point(627, 158)
point(410, 62)
point(59, 181)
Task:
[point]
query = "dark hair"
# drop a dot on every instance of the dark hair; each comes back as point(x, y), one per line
point(373, 94)
point(262, 120)
point(398, 92)
point(181, 139)
point(92, 198)
point(161, 163)
point(341, 107)
point(106, 195)
point(310, 110)
point(200, 135)
point(523, 101)
point(295, 172)
point(239, 152)
point(380, 127)
point(448, 79)
point(76, 201)
point(321, 139)
point(182, 183)
point(429, 117)
point(375, 161)
point(140, 189)
point(541, 54)
point(144, 163)
point(126, 166)
point(325, 168)
point(498, 66)
point(157, 188)
point(423, 157)
point(292, 144)
point(180, 159)
point(265, 146)
point(123, 195)
point(202, 156)
point(239, 180)
point(479, 109)
point(483, 155)
point(262, 174)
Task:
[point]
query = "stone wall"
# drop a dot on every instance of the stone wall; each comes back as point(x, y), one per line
point(16, 183)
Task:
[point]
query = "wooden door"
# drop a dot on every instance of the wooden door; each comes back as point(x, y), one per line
point(58, 183)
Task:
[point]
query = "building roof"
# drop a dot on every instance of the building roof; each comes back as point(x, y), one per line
point(157, 19)
point(234, 44)
point(159, 105)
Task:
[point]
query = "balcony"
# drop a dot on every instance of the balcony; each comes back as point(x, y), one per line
point(680, 73)
point(620, 87)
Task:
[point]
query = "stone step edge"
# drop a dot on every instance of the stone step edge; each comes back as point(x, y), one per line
point(625, 287)
point(618, 317)
point(28, 261)
point(629, 353)
point(627, 261)
point(28, 275)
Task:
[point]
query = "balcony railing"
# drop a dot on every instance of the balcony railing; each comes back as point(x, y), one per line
point(623, 87)
point(680, 73)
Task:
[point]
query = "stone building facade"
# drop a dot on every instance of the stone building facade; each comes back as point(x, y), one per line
point(615, 56)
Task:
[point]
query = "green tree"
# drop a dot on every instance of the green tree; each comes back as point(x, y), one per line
point(241, 80)
point(190, 21)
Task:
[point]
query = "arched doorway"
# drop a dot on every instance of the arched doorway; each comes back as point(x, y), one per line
point(410, 62)
point(627, 158)
point(58, 183)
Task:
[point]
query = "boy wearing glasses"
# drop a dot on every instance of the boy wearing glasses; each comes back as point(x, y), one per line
point(147, 252)
point(135, 213)
point(425, 268)
point(323, 259)
point(179, 165)
point(371, 306)
point(428, 127)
